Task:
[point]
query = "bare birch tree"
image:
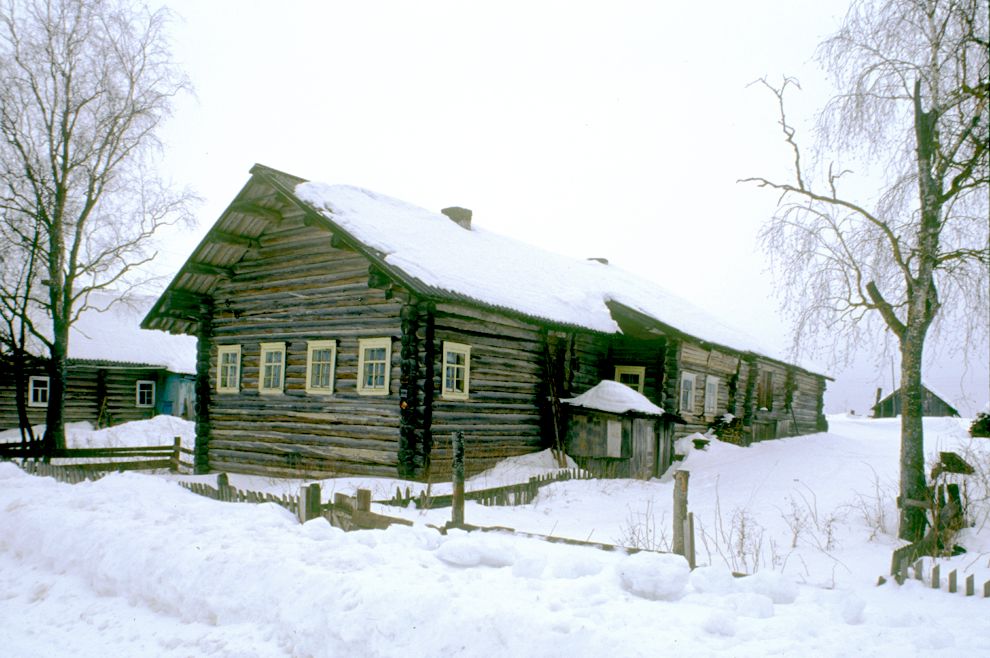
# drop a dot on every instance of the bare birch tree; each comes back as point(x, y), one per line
point(912, 105)
point(84, 86)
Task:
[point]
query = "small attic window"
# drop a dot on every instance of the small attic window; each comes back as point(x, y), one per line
point(632, 376)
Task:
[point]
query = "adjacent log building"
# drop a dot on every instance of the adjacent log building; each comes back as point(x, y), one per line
point(116, 372)
point(344, 332)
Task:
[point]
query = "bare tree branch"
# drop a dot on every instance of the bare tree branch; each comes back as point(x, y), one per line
point(914, 90)
point(86, 85)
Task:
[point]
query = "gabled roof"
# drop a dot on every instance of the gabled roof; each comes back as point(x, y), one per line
point(925, 391)
point(429, 254)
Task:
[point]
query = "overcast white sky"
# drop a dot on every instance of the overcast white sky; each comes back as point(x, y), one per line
point(613, 129)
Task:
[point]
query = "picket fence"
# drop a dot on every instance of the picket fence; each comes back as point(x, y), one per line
point(522, 493)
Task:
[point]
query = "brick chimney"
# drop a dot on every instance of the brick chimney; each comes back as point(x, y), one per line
point(460, 216)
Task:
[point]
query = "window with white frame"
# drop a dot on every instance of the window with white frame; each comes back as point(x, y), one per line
point(38, 388)
point(456, 371)
point(711, 395)
point(144, 393)
point(687, 393)
point(374, 360)
point(271, 368)
point(632, 376)
point(228, 368)
point(321, 360)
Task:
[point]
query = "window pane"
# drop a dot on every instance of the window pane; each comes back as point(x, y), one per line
point(146, 394)
point(374, 374)
point(454, 378)
point(320, 359)
point(630, 379)
point(39, 391)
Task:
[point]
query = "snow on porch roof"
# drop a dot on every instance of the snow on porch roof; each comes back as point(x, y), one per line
point(615, 398)
point(505, 273)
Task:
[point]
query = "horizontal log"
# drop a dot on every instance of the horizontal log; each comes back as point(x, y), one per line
point(330, 470)
point(340, 455)
point(282, 450)
point(354, 435)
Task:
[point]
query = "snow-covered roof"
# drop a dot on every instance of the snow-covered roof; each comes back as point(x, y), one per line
point(115, 336)
point(615, 398)
point(505, 273)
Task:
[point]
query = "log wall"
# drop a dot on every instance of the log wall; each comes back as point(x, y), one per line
point(702, 362)
point(99, 395)
point(296, 287)
point(797, 401)
point(502, 416)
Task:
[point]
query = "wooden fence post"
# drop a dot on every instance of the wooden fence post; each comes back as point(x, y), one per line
point(689, 539)
point(680, 510)
point(176, 448)
point(936, 577)
point(364, 500)
point(457, 503)
point(309, 502)
point(223, 486)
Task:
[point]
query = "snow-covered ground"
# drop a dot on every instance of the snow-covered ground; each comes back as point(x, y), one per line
point(134, 565)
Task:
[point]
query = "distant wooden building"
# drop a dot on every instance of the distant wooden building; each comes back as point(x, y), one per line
point(931, 405)
point(116, 372)
point(345, 332)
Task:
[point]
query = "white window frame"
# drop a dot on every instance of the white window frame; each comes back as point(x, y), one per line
point(449, 393)
point(279, 385)
point(711, 396)
point(639, 371)
point(687, 379)
point(365, 344)
point(137, 393)
point(33, 386)
point(314, 346)
point(234, 387)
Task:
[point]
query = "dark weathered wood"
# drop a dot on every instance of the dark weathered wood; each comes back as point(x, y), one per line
point(207, 269)
point(680, 511)
point(233, 239)
point(204, 389)
point(457, 508)
point(256, 210)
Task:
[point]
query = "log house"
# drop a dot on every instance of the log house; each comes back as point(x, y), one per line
point(325, 351)
point(116, 371)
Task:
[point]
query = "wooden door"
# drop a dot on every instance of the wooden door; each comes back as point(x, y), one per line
point(644, 440)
